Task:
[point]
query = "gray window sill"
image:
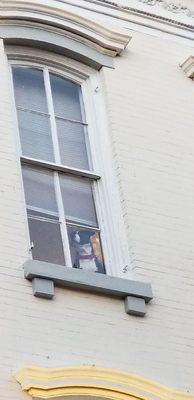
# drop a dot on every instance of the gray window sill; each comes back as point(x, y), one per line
point(45, 275)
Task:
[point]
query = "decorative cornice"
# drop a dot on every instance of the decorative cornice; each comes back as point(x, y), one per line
point(151, 8)
point(45, 383)
point(108, 41)
point(175, 8)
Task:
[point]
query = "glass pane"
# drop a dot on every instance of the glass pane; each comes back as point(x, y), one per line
point(72, 144)
point(78, 200)
point(46, 238)
point(85, 247)
point(35, 135)
point(39, 190)
point(29, 88)
point(66, 98)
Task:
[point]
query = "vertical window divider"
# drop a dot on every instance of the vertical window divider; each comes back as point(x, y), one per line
point(81, 100)
point(56, 175)
point(52, 115)
point(62, 220)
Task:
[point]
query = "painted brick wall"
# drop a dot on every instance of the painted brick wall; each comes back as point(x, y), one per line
point(150, 109)
point(150, 114)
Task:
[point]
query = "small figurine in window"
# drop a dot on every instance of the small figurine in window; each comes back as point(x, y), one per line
point(86, 256)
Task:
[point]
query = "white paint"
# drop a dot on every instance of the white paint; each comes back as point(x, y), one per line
point(145, 124)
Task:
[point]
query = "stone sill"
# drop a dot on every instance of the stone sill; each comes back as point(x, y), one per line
point(45, 275)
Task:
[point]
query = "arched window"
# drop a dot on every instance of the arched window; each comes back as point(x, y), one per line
point(57, 169)
point(72, 197)
point(55, 55)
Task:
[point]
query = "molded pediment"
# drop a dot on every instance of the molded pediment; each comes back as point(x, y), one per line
point(34, 19)
point(42, 383)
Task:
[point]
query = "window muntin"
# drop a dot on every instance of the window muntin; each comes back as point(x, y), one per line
point(60, 207)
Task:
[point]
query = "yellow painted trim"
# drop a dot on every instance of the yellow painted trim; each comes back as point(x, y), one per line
point(92, 381)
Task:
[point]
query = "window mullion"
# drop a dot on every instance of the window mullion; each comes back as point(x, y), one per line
point(52, 116)
point(62, 221)
point(85, 130)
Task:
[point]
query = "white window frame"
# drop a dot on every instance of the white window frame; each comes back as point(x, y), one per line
point(106, 194)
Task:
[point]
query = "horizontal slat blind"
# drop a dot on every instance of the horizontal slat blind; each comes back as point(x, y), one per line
point(35, 135)
point(78, 200)
point(29, 89)
point(72, 144)
point(66, 98)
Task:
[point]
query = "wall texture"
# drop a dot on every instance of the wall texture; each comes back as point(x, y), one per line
point(151, 122)
point(150, 116)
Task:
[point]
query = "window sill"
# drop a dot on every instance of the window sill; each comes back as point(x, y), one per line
point(45, 275)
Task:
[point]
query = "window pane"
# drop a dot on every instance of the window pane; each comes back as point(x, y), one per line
point(46, 238)
point(72, 144)
point(78, 200)
point(85, 247)
point(39, 190)
point(66, 98)
point(35, 135)
point(29, 88)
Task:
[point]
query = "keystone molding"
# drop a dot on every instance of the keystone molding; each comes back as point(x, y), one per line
point(42, 383)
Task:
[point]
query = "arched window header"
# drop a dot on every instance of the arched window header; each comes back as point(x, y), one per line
point(61, 31)
point(93, 382)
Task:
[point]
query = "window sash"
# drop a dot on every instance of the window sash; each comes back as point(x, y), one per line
point(60, 157)
point(60, 216)
point(113, 233)
point(57, 167)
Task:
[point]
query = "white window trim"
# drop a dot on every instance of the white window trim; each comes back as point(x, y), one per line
point(106, 194)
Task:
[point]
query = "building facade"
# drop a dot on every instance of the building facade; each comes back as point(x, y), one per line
point(96, 199)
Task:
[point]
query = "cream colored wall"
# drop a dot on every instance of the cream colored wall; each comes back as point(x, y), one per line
point(150, 109)
point(150, 115)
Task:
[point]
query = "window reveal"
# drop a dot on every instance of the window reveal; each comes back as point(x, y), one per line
point(60, 206)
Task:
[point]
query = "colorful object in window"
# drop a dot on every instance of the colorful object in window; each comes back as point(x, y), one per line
point(87, 250)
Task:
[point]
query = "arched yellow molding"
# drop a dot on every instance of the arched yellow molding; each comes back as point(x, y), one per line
point(107, 41)
point(91, 381)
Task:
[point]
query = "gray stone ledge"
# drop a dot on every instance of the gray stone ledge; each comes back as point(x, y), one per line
point(89, 281)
